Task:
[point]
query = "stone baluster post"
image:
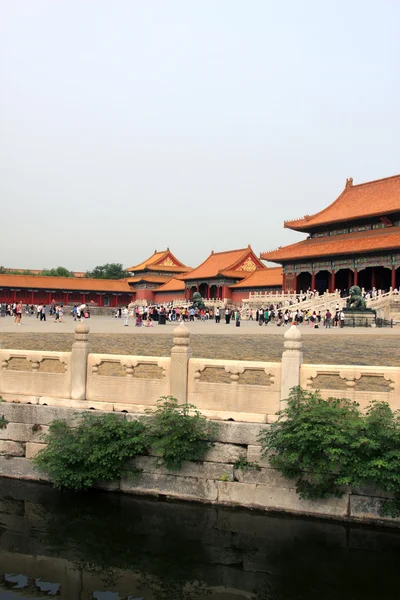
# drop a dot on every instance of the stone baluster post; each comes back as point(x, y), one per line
point(80, 350)
point(292, 359)
point(181, 353)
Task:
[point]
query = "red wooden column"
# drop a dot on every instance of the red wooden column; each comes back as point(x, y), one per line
point(393, 279)
point(373, 277)
point(295, 282)
point(332, 282)
point(66, 298)
point(350, 279)
point(312, 281)
point(355, 277)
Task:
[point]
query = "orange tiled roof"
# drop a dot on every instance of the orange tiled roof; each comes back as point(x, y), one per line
point(156, 262)
point(268, 277)
point(227, 263)
point(169, 269)
point(173, 285)
point(149, 277)
point(64, 283)
point(360, 242)
point(374, 198)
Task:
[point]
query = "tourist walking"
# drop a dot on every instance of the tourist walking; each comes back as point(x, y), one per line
point(328, 319)
point(125, 313)
point(217, 315)
point(18, 313)
point(43, 313)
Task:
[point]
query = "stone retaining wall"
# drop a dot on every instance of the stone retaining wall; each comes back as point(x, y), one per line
point(214, 480)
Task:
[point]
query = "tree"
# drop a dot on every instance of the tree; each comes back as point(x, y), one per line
point(108, 271)
point(58, 272)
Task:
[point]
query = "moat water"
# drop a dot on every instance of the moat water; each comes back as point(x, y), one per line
point(107, 546)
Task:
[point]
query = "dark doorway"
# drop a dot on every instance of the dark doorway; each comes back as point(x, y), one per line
point(214, 292)
point(303, 282)
point(203, 289)
point(344, 279)
point(322, 279)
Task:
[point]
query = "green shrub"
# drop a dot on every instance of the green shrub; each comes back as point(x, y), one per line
point(178, 432)
point(326, 444)
point(244, 464)
point(96, 450)
point(311, 441)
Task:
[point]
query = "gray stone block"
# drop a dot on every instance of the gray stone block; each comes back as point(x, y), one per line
point(238, 433)
point(254, 455)
point(11, 448)
point(169, 485)
point(371, 490)
point(21, 432)
point(270, 477)
point(367, 507)
point(273, 498)
point(32, 448)
point(224, 453)
point(200, 470)
point(40, 414)
point(20, 468)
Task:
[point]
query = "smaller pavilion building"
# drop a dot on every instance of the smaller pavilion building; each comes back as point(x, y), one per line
point(214, 277)
point(153, 273)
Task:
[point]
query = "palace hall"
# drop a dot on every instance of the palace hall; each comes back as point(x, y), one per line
point(354, 241)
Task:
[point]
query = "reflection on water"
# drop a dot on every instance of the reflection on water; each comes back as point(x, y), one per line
point(107, 546)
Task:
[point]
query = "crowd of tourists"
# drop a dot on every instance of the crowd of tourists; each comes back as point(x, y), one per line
point(54, 310)
point(283, 317)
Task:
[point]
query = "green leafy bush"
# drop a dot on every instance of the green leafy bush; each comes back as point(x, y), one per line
point(244, 464)
point(326, 444)
point(311, 441)
point(178, 432)
point(96, 450)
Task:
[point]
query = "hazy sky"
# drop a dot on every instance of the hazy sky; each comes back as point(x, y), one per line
point(129, 125)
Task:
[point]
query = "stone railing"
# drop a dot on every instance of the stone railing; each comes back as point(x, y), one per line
point(35, 373)
point(249, 391)
point(360, 384)
point(241, 390)
point(127, 380)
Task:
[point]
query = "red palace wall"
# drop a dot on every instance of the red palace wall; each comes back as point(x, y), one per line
point(164, 297)
point(238, 295)
point(42, 297)
point(145, 294)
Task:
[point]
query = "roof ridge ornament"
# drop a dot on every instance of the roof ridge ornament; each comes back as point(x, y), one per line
point(349, 183)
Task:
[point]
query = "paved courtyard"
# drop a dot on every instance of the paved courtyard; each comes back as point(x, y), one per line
point(249, 342)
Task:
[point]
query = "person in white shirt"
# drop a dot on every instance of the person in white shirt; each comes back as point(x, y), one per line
point(125, 313)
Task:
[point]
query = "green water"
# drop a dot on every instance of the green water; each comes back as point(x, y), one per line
point(106, 546)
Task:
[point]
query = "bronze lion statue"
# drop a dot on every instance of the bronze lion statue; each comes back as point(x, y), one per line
point(356, 300)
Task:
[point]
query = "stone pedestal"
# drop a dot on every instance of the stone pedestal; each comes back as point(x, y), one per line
point(292, 359)
point(80, 350)
point(359, 318)
point(180, 355)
